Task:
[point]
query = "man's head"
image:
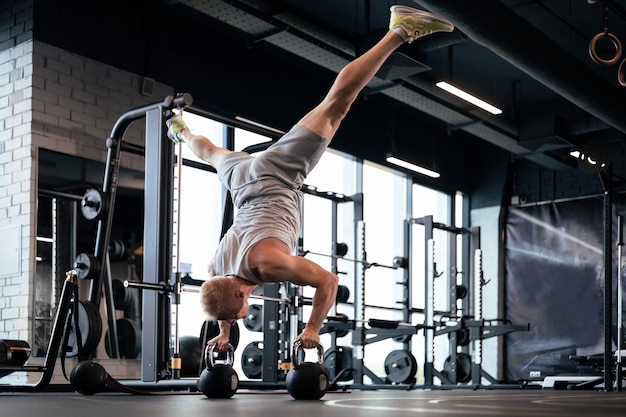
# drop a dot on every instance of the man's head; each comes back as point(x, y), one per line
point(222, 298)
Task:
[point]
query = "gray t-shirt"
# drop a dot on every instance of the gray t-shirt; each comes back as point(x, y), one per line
point(266, 192)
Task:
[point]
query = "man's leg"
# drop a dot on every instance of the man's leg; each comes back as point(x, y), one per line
point(406, 25)
point(201, 146)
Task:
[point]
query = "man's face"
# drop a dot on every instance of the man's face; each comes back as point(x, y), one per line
point(241, 313)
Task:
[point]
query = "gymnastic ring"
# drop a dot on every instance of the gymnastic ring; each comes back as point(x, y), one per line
point(616, 43)
point(620, 74)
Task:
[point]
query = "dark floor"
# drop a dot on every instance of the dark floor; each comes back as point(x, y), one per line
point(383, 403)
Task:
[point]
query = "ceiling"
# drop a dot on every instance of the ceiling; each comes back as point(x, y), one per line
point(529, 58)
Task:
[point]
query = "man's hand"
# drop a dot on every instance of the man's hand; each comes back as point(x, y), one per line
point(309, 338)
point(221, 340)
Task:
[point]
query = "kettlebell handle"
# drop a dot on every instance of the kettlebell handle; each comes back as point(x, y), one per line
point(297, 348)
point(210, 360)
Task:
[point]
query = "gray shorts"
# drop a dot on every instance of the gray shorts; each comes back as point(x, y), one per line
point(266, 192)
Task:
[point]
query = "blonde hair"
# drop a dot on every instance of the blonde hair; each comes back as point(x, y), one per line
point(216, 297)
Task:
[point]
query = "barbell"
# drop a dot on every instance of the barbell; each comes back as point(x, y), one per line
point(398, 261)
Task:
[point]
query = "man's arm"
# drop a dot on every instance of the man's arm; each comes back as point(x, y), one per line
point(223, 338)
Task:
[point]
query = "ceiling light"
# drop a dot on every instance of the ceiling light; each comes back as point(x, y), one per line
point(468, 97)
point(412, 167)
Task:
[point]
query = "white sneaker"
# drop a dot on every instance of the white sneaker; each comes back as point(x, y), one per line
point(412, 23)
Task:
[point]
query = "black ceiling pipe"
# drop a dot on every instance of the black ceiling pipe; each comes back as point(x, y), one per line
point(496, 27)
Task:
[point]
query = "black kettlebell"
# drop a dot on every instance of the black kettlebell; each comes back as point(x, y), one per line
point(218, 380)
point(307, 380)
point(88, 377)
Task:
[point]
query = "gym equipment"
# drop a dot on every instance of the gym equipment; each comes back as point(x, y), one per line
point(343, 294)
point(400, 367)
point(458, 370)
point(218, 380)
point(128, 339)
point(254, 320)
point(13, 356)
point(252, 360)
point(307, 380)
point(86, 266)
point(377, 323)
point(88, 377)
point(93, 204)
point(465, 332)
point(620, 304)
point(89, 328)
point(364, 262)
point(190, 350)
point(338, 363)
point(210, 329)
point(607, 35)
point(13, 353)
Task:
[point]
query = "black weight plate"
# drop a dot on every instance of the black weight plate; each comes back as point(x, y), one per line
point(254, 320)
point(400, 367)
point(128, 339)
point(90, 328)
point(463, 337)
point(122, 296)
point(343, 294)
point(463, 368)
point(338, 360)
point(86, 266)
point(252, 360)
point(190, 356)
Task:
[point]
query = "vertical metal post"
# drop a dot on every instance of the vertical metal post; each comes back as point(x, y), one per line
point(620, 302)
point(358, 335)
point(608, 287)
point(270, 334)
point(157, 261)
point(429, 302)
point(333, 261)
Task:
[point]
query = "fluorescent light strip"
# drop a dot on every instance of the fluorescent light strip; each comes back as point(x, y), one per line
point(468, 97)
point(412, 167)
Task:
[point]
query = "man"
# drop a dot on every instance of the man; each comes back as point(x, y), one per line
point(259, 247)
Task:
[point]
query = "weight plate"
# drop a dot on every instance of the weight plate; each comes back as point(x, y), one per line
point(89, 326)
point(92, 204)
point(191, 354)
point(463, 336)
point(86, 266)
point(252, 360)
point(338, 360)
point(343, 294)
point(123, 297)
point(254, 320)
point(128, 339)
point(400, 367)
point(463, 368)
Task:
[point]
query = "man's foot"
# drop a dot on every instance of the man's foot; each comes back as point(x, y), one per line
point(175, 125)
point(412, 23)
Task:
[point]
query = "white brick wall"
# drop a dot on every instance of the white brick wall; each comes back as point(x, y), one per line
point(15, 185)
point(60, 101)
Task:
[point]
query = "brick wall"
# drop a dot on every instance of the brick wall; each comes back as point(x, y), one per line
point(56, 100)
point(16, 187)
